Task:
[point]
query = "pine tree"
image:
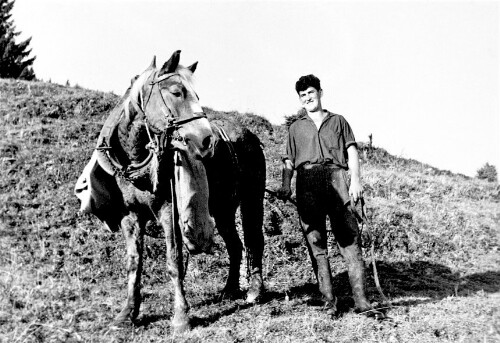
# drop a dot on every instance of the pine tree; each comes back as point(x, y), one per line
point(14, 61)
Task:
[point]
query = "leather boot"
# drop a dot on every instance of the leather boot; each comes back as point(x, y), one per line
point(356, 270)
point(324, 277)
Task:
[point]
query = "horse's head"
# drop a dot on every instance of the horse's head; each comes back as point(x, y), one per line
point(191, 192)
point(171, 108)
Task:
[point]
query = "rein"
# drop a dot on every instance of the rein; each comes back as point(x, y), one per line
point(174, 123)
point(158, 137)
point(363, 220)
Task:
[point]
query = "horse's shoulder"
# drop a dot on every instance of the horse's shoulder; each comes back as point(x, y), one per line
point(227, 129)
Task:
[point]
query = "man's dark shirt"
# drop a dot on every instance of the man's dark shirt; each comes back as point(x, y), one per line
point(328, 145)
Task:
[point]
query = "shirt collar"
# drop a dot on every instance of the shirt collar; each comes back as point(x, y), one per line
point(305, 115)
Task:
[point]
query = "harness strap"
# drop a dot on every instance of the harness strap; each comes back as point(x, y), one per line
point(156, 141)
point(229, 144)
point(232, 153)
point(162, 78)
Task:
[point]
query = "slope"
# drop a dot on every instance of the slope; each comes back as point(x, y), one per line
point(437, 238)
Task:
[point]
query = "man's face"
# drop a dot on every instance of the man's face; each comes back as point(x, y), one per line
point(311, 99)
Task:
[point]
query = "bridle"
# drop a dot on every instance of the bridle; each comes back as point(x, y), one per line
point(159, 137)
point(171, 131)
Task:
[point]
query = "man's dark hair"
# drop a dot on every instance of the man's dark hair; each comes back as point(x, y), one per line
point(306, 82)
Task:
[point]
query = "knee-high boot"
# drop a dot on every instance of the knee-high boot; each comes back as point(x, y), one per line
point(324, 277)
point(356, 270)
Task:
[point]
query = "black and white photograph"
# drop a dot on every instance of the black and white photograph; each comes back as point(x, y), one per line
point(249, 171)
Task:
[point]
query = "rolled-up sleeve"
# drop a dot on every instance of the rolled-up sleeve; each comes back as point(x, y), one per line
point(347, 132)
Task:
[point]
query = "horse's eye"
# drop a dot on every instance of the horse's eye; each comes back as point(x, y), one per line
point(177, 94)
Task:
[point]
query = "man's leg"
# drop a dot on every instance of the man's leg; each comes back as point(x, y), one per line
point(316, 245)
point(348, 239)
point(356, 267)
point(346, 231)
point(312, 220)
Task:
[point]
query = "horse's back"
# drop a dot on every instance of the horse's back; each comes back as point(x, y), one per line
point(238, 167)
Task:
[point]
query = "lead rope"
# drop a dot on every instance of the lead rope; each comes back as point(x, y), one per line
point(175, 221)
point(363, 220)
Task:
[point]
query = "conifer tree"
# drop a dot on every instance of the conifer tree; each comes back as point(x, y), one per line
point(14, 57)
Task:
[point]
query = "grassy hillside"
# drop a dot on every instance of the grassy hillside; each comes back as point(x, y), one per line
point(62, 278)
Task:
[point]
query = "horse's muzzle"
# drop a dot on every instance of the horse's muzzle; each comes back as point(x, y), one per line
point(199, 245)
point(200, 149)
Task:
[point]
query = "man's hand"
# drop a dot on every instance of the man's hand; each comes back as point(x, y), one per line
point(285, 192)
point(355, 190)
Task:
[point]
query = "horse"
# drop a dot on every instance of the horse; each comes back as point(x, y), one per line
point(160, 161)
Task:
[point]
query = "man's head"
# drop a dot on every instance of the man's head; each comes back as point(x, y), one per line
point(307, 81)
point(309, 89)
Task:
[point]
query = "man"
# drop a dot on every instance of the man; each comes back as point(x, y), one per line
point(321, 147)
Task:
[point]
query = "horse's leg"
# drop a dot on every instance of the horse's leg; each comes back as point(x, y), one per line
point(134, 241)
point(175, 268)
point(252, 214)
point(225, 222)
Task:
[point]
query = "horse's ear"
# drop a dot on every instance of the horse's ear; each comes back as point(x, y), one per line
point(193, 66)
point(171, 64)
point(153, 63)
point(132, 80)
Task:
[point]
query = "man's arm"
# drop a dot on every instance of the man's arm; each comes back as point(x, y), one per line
point(355, 189)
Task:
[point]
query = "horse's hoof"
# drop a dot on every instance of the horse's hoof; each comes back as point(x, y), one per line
point(180, 327)
point(180, 324)
point(330, 307)
point(255, 290)
point(121, 322)
point(372, 313)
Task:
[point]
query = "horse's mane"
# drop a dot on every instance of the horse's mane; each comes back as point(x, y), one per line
point(187, 75)
point(134, 92)
point(131, 129)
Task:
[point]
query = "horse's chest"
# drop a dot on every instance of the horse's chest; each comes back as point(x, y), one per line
point(133, 196)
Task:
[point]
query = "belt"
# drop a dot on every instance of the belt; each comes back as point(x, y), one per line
point(308, 166)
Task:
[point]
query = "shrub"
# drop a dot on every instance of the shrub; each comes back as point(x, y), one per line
point(487, 172)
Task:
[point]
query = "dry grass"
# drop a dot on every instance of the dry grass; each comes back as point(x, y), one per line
point(62, 275)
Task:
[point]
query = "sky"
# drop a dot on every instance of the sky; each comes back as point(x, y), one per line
point(422, 77)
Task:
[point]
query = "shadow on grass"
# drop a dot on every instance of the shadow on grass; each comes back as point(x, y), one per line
point(148, 319)
point(196, 321)
point(225, 307)
point(211, 318)
point(421, 279)
point(428, 282)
